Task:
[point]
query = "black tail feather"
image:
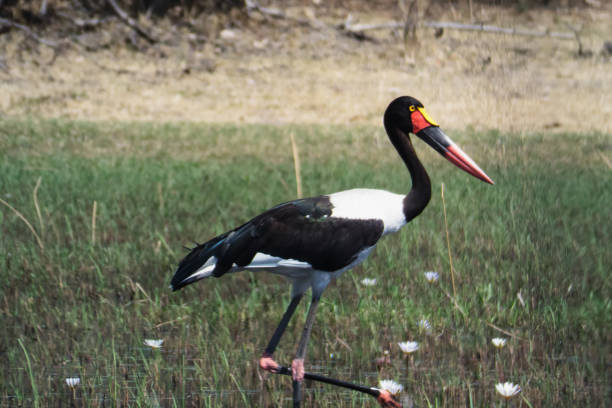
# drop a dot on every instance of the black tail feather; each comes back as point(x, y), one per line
point(235, 247)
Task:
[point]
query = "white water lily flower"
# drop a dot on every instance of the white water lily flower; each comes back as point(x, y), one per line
point(432, 276)
point(153, 343)
point(409, 346)
point(507, 389)
point(424, 325)
point(368, 282)
point(391, 386)
point(73, 381)
point(499, 342)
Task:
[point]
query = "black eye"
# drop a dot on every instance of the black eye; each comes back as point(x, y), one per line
point(412, 108)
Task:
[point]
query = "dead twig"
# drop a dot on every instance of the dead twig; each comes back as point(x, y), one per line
point(135, 286)
point(31, 34)
point(343, 344)
point(123, 16)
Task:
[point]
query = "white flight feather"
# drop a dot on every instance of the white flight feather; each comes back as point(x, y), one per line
point(261, 260)
point(205, 270)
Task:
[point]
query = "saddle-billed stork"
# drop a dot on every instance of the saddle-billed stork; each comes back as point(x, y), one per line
point(314, 240)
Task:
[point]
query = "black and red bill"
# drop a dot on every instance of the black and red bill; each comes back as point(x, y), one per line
point(459, 158)
point(436, 138)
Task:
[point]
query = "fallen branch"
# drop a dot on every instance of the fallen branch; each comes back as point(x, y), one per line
point(252, 6)
point(357, 28)
point(28, 32)
point(84, 23)
point(123, 16)
point(499, 30)
point(461, 26)
point(274, 12)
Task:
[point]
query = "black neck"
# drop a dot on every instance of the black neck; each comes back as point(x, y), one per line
point(420, 193)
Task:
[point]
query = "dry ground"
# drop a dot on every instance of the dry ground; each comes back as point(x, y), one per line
point(280, 72)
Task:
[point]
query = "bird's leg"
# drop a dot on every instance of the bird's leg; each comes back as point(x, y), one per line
point(266, 362)
point(297, 365)
point(383, 397)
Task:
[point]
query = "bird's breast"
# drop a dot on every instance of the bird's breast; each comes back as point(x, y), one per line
point(367, 204)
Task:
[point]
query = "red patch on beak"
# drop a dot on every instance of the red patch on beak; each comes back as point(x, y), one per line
point(418, 122)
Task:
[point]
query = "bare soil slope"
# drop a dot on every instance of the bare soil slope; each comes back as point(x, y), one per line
point(280, 71)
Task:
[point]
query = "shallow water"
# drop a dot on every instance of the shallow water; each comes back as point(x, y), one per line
point(164, 377)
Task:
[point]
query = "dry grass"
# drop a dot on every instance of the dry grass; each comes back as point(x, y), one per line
point(298, 75)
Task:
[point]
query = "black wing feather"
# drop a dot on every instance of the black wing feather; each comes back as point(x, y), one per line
point(302, 230)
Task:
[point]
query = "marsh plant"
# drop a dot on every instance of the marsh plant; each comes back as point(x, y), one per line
point(80, 301)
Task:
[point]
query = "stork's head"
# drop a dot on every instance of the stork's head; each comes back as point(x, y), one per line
point(409, 115)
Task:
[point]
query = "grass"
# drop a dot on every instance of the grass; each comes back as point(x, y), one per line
point(531, 258)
